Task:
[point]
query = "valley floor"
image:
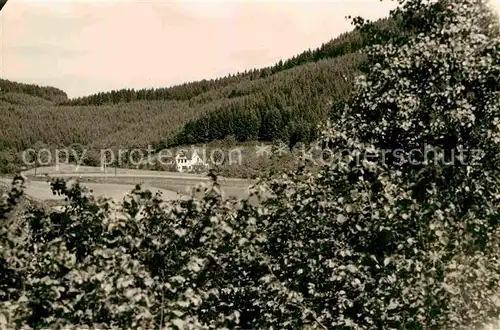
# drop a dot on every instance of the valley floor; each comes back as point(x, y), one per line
point(116, 184)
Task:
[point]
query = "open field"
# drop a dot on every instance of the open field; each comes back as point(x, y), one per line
point(116, 184)
point(180, 183)
point(64, 170)
point(40, 190)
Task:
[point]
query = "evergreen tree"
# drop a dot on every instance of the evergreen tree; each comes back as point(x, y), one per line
point(271, 125)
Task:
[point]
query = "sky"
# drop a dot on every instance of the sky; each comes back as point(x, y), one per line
point(85, 46)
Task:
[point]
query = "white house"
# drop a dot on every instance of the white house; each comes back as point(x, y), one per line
point(186, 160)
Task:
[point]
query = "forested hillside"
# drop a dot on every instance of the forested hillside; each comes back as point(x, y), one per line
point(283, 102)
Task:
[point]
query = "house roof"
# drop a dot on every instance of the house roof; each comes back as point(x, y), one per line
point(188, 153)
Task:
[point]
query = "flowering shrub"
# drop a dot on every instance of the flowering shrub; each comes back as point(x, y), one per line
point(379, 243)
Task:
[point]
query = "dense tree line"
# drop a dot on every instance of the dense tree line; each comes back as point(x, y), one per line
point(23, 99)
point(291, 112)
point(286, 106)
point(125, 125)
point(45, 92)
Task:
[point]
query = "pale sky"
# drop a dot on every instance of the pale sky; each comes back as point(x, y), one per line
point(84, 47)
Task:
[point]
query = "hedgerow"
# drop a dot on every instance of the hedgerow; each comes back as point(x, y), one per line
point(373, 240)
